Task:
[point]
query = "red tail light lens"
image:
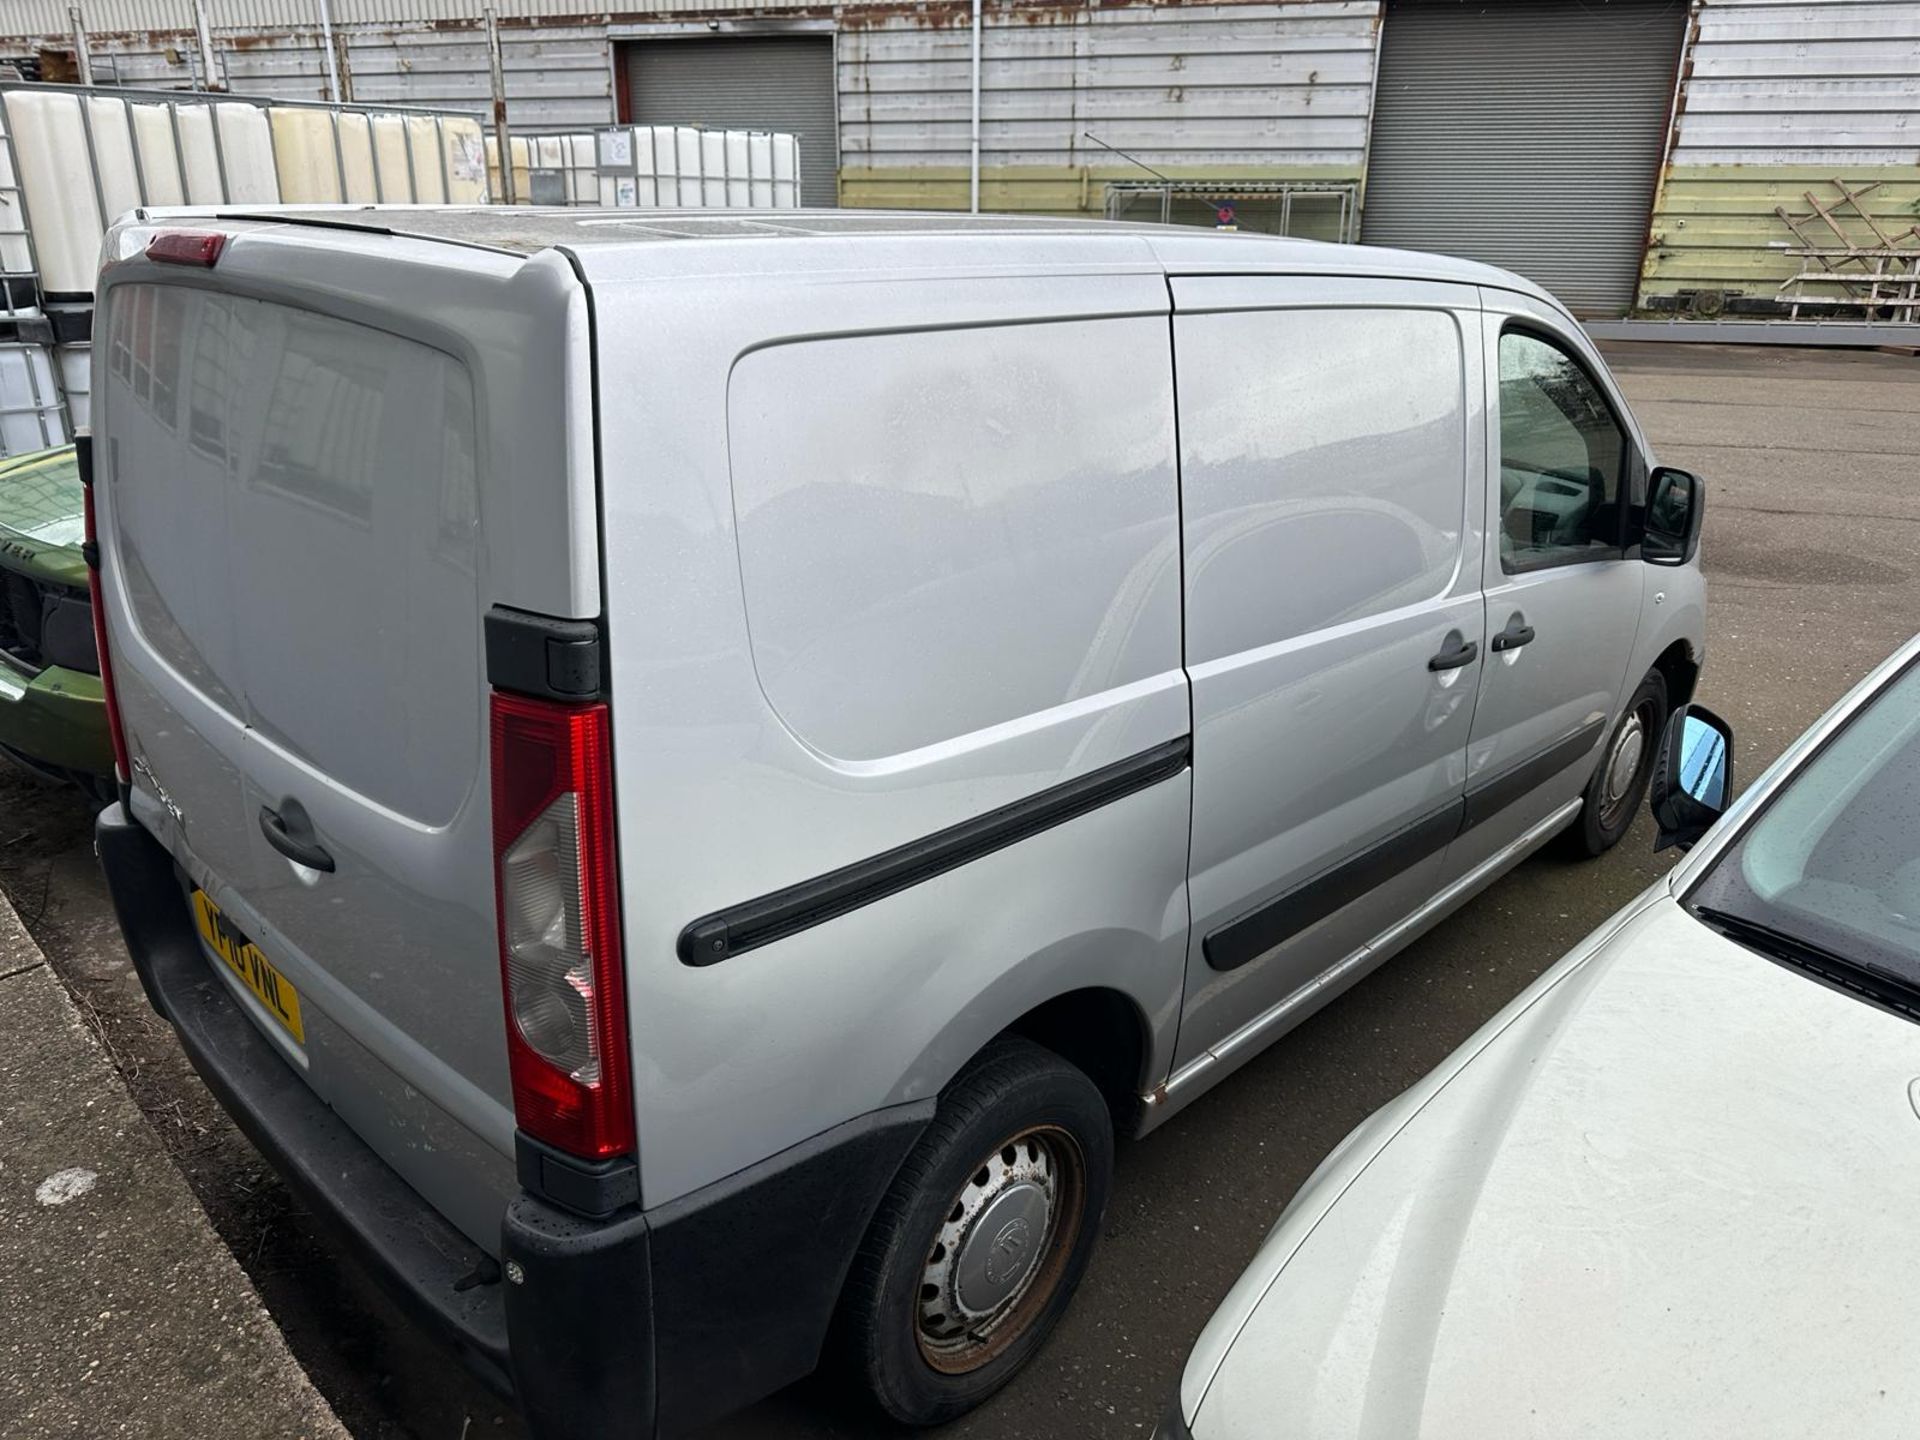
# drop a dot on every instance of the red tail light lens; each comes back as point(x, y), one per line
point(556, 891)
point(186, 247)
point(115, 730)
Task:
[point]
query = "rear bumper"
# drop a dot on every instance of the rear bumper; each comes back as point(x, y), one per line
point(55, 720)
point(639, 1323)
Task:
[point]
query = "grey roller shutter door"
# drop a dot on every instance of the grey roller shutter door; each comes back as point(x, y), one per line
point(1526, 133)
point(747, 82)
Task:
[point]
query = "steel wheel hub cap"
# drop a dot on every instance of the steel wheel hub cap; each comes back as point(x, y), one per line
point(1625, 764)
point(990, 1246)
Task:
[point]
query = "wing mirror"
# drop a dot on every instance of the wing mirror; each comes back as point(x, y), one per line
point(1676, 504)
point(1692, 780)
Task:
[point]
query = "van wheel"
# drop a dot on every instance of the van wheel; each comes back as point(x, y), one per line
point(1620, 783)
point(977, 1248)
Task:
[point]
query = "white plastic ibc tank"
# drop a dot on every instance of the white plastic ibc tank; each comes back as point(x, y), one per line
point(466, 161)
point(304, 155)
point(686, 161)
point(50, 143)
point(159, 156)
point(199, 159)
point(786, 171)
point(30, 413)
point(16, 256)
point(429, 179)
point(389, 141)
point(582, 183)
point(760, 170)
point(356, 158)
point(75, 365)
point(522, 167)
point(247, 150)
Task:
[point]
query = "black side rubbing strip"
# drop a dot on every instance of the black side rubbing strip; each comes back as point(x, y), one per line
point(1494, 795)
point(1259, 930)
point(753, 923)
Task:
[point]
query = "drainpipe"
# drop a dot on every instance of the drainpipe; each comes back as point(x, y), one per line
point(326, 45)
point(82, 60)
point(502, 137)
point(973, 166)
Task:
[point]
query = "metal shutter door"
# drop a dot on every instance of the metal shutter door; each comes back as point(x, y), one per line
point(750, 82)
point(1525, 134)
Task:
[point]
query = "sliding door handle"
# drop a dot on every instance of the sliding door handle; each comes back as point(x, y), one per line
point(1513, 637)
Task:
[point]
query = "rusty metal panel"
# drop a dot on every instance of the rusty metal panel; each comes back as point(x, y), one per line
point(20, 19)
point(1793, 82)
point(556, 75)
point(1231, 86)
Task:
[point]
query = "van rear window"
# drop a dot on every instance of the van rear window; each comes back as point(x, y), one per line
point(299, 531)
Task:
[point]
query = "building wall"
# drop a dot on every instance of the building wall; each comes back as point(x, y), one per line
point(1214, 91)
point(1207, 91)
point(1779, 98)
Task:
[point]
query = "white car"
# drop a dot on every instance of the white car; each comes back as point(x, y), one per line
point(1669, 1189)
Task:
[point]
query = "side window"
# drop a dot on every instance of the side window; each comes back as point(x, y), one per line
point(1563, 459)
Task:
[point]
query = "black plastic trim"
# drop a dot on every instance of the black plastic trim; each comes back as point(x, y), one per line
point(1494, 794)
point(752, 923)
point(73, 326)
point(534, 654)
point(83, 455)
point(1279, 919)
point(631, 1324)
point(1274, 921)
point(591, 1188)
point(747, 1271)
point(429, 1267)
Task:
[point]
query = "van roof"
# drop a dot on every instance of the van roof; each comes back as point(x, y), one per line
point(633, 243)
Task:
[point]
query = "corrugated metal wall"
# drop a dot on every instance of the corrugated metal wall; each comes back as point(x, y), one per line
point(556, 75)
point(49, 17)
point(1781, 97)
point(1527, 135)
point(1208, 91)
point(782, 83)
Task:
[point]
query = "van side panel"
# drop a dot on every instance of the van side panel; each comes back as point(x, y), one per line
point(930, 572)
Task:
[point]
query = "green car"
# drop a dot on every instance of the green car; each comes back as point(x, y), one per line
point(53, 719)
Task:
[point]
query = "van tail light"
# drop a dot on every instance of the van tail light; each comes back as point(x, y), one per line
point(116, 732)
point(556, 892)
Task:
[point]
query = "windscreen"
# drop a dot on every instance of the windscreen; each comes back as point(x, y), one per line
point(1834, 860)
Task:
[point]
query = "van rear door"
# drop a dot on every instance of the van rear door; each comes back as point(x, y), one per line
point(314, 487)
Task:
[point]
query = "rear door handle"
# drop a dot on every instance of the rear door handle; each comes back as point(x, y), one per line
point(1458, 652)
point(1513, 637)
point(292, 835)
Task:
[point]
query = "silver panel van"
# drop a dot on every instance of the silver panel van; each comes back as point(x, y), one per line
point(683, 776)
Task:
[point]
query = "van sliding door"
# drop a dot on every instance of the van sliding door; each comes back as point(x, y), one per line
point(1334, 624)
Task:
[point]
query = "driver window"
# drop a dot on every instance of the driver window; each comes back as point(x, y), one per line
point(1562, 459)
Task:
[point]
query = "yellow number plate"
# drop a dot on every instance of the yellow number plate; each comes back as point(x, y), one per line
point(256, 972)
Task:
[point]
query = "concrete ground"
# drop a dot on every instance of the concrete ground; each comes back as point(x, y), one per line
point(1813, 554)
point(124, 1312)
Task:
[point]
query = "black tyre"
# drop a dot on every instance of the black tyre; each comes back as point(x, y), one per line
point(981, 1242)
point(1619, 782)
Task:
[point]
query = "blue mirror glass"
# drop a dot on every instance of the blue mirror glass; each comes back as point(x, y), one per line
point(1703, 763)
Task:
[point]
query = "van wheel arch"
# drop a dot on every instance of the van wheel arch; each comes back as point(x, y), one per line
point(1101, 1032)
point(1681, 670)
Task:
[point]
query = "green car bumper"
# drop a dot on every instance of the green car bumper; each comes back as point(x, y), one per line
point(55, 722)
